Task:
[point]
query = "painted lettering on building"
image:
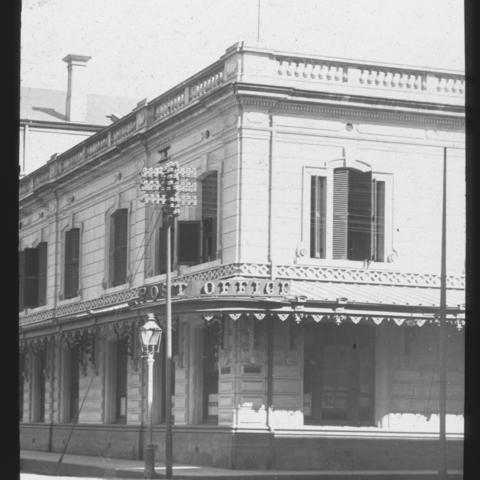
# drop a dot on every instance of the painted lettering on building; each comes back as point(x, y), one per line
point(227, 287)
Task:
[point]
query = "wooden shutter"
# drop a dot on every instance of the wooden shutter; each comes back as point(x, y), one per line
point(21, 279)
point(359, 215)
point(161, 252)
point(42, 273)
point(189, 243)
point(209, 216)
point(120, 239)
point(72, 252)
point(317, 218)
point(378, 234)
point(340, 212)
point(30, 293)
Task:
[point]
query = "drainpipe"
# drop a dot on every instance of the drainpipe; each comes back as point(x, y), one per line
point(239, 185)
point(270, 333)
point(270, 217)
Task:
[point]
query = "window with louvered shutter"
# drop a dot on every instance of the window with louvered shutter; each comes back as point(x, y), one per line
point(42, 273)
point(161, 249)
point(378, 237)
point(21, 279)
point(72, 252)
point(209, 217)
point(118, 247)
point(340, 213)
point(189, 242)
point(318, 217)
point(359, 215)
point(30, 279)
point(352, 214)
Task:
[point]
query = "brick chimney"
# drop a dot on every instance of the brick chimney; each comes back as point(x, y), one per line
point(76, 107)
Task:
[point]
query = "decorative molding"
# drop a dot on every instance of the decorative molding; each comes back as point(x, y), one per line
point(298, 272)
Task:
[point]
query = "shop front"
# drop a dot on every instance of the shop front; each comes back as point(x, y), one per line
point(281, 373)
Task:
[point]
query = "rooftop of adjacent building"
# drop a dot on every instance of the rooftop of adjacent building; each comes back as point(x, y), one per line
point(41, 104)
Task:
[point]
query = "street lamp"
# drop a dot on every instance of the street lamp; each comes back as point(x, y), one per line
point(150, 338)
point(171, 187)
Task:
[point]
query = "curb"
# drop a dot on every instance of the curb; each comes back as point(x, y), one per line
point(48, 467)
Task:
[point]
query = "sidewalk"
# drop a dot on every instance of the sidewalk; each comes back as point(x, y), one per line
point(100, 467)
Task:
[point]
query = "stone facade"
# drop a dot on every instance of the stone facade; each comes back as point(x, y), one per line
point(267, 123)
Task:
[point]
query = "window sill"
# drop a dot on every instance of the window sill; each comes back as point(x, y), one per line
point(117, 288)
point(182, 270)
point(186, 269)
point(30, 310)
point(329, 262)
point(67, 301)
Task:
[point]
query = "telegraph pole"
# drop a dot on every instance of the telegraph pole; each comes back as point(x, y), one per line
point(442, 471)
point(168, 364)
point(170, 187)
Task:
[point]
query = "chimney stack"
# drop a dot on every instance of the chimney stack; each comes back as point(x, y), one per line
point(76, 107)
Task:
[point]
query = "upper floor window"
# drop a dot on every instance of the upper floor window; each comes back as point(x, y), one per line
point(118, 247)
point(318, 210)
point(209, 216)
point(358, 223)
point(192, 241)
point(33, 276)
point(72, 258)
point(161, 249)
point(189, 242)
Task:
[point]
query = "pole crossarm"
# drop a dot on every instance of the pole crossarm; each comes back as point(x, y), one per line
point(169, 186)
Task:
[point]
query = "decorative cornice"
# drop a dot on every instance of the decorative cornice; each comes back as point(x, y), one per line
point(261, 72)
point(371, 112)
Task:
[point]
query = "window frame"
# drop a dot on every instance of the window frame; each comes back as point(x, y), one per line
point(38, 276)
point(326, 170)
point(64, 270)
point(106, 283)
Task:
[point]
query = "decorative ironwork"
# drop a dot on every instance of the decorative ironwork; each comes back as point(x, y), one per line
point(320, 273)
point(127, 331)
point(86, 342)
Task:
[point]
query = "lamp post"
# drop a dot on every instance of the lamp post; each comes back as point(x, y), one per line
point(171, 187)
point(150, 337)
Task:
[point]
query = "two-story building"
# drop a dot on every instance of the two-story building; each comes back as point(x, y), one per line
point(306, 283)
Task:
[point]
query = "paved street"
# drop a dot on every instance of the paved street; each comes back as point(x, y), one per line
point(34, 476)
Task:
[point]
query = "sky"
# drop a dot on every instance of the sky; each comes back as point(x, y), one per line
point(140, 48)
